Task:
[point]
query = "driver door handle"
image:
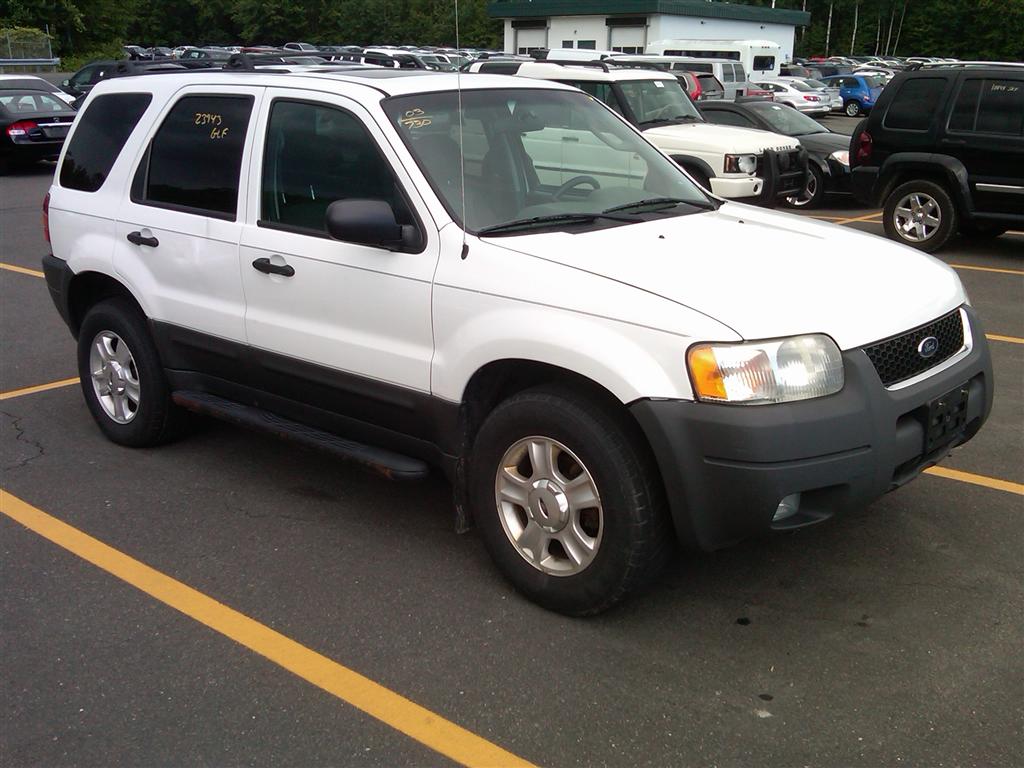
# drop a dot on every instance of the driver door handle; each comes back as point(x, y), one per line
point(265, 266)
point(573, 139)
point(139, 239)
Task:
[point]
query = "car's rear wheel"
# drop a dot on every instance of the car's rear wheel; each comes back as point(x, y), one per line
point(920, 214)
point(568, 500)
point(122, 379)
point(813, 193)
point(852, 108)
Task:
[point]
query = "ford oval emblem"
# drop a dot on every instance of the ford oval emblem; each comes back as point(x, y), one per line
point(928, 347)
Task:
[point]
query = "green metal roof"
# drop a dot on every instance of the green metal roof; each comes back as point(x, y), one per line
point(507, 9)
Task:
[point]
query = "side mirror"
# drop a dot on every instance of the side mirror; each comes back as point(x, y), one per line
point(66, 83)
point(370, 222)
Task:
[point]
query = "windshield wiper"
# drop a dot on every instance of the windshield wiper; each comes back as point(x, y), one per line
point(554, 218)
point(675, 120)
point(662, 203)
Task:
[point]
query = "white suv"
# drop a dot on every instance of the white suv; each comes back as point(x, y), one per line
point(603, 364)
point(737, 163)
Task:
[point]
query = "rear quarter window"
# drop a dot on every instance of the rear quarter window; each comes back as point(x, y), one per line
point(99, 135)
point(914, 104)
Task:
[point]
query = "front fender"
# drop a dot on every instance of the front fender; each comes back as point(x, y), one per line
point(628, 360)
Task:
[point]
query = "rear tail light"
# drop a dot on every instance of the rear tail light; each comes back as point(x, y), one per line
point(697, 90)
point(811, 98)
point(21, 128)
point(46, 217)
point(865, 145)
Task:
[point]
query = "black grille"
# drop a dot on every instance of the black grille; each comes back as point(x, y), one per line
point(897, 359)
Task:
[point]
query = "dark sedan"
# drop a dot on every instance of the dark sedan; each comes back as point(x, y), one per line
point(828, 153)
point(33, 126)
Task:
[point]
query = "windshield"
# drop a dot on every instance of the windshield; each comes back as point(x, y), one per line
point(533, 153)
point(817, 83)
point(797, 85)
point(874, 81)
point(654, 101)
point(784, 119)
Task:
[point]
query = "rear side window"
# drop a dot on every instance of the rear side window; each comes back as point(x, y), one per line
point(194, 160)
point(764, 62)
point(98, 138)
point(915, 103)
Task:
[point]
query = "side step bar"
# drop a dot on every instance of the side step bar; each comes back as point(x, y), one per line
point(389, 464)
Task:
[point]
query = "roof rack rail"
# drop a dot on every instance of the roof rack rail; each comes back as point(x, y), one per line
point(969, 64)
point(571, 63)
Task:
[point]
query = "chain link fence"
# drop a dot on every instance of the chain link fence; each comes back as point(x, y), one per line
point(26, 51)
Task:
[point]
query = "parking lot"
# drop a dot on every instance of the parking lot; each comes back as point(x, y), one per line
point(233, 600)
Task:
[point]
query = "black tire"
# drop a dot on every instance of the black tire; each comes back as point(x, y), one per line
point(935, 239)
point(815, 180)
point(852, 108)
point(156, 419)
point(636, 536)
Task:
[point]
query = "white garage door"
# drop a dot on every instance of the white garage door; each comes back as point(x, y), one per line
point(528, 40)
point(629, 39)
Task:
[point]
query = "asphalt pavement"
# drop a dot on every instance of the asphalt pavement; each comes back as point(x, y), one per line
point(890, 636)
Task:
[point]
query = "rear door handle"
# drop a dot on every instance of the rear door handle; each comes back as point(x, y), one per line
point(265, 266)
point(139, 239)
point(955, 142)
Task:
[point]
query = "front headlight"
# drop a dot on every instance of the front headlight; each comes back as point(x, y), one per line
point(740, 163)
point(763, 372)
point(841, 156)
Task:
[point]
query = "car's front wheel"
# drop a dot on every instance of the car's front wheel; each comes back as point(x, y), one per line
point(920, 214)
point(122, 379)
point(568, 500)
point(813, 193)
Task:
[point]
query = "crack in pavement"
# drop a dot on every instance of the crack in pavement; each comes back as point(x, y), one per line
point(19, 436)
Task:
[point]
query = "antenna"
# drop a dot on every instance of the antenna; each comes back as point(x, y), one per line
point(462, 147)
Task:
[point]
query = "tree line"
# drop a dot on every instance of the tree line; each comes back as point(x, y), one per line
point(965, 29)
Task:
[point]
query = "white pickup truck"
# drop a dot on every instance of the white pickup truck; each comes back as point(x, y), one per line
point(736, 163)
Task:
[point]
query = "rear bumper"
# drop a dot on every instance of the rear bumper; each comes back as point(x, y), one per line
point(864, 184)
point(726, 468)
point(58, 280)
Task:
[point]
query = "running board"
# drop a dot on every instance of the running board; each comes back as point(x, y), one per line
point(389, 464)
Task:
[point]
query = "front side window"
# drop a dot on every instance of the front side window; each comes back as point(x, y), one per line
point(519, 162)
point(603, 92)
point(98, 138)
point(193, 162)
point(316, 154)
point(1001, 107)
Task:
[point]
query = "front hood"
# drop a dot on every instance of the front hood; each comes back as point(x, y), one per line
point(825, 144)
point(717, 138)
point(765, 274)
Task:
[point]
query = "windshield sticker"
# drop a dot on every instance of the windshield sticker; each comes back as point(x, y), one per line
point(415, 118)
point(658, 84)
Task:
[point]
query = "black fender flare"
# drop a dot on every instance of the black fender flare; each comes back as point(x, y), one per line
point(951, 169)
point(688, 162)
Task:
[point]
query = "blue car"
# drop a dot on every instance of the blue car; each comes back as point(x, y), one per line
point(858, 92)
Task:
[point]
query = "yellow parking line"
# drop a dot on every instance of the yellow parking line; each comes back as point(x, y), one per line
point(1010, 339)
point(37, 388)
point(867, 217)
point(969, 477)
point(988, 269)
point(390, 708)
point(21, 270)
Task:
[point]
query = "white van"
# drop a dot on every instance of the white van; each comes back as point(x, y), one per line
point(761, 58)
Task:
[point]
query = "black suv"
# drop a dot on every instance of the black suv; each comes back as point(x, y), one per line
point(943, 151)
